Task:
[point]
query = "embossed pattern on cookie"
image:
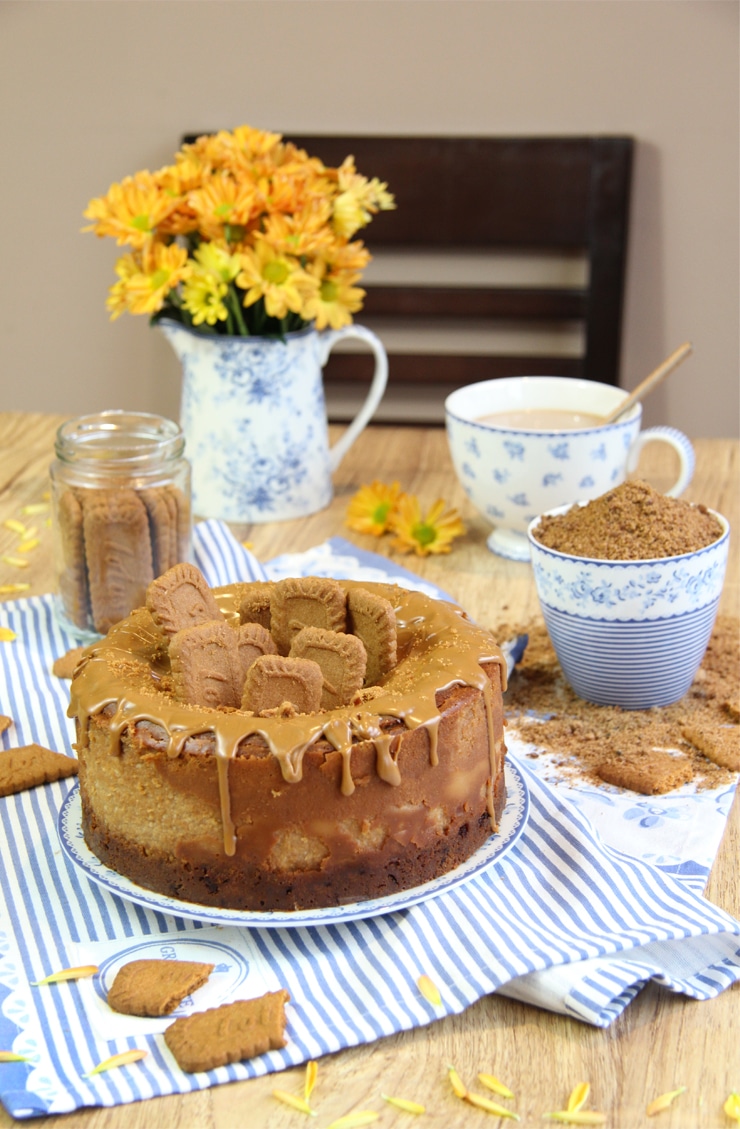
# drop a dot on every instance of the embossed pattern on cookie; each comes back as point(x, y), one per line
point(118, 554)
point(342, 659)
point(253, 640)
point(181, 598)
point(273, 680)
point(372, 619)
point(300, 602)
point(205, 665)
point(230, 1033)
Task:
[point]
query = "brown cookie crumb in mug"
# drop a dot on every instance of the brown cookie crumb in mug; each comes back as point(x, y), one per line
point(632, 522)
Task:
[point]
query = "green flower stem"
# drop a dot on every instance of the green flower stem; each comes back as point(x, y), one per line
point(235, 305)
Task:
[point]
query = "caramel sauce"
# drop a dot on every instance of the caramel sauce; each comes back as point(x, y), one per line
point(438, 648)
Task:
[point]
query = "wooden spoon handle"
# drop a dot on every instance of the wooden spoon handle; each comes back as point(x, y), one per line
point(650, 382)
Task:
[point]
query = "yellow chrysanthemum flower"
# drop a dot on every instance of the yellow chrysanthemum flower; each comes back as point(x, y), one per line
point(371, 508)
point(333, 302)
point(202, 297)
point(218, 261)
point(145, 280)
point(222, 202)
point(358, 199)
point(131, 211)
point(277, 278)
point(424, 535)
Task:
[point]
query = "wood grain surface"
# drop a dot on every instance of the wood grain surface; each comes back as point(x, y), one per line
point(661, 1042)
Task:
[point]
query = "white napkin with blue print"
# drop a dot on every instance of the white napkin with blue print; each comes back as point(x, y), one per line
point(563, 921)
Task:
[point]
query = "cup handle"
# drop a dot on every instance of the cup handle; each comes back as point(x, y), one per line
point(680, 443)
point(377, 387)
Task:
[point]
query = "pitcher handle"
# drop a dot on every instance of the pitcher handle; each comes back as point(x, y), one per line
point(377, 387)
point(680, 443)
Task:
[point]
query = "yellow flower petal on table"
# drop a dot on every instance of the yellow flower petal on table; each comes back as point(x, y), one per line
point(577, 1117)
point(355, 1120)
point(27, 546)
point(294, 1102)
point(7, 635)
point(16, 562)
point(424, 535)
point(371, 508)
point(490, 1107)
point(664, 1101)
point(579, 1096)
point(404, 1104)
point(732, 1106)
point(11, 1056)
point(429, 990)
point(457, 1083)
point(114, 1061)
point(495, 1086)
point(78, 973)
point(312, 1073)
point(15, 526)
point(11, 589)
point(35, 508)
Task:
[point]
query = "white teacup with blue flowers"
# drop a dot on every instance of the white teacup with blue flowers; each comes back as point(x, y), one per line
point(516, 461)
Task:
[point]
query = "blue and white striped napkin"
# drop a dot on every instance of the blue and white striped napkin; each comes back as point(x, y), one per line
point(562, 921)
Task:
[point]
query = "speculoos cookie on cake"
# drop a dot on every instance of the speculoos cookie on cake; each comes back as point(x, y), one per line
point(292, 745)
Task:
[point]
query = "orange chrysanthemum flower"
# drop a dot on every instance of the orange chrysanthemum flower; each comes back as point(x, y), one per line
point(371, 508)
point(433, 533)
point(131, 211)
point(220, 204)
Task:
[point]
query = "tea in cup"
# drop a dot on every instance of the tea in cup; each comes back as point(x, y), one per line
point(523, 445)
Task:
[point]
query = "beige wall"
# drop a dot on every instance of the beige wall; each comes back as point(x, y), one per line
point(91, 91)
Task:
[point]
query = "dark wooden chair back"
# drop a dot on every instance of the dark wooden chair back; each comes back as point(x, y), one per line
point(551, 195)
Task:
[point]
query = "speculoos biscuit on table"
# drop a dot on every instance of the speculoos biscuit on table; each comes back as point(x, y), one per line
point(118, 554)
point(31, 765)
point(73, 576)
point(254, 603)
point(181, 598)
point(372, 619)
point(205, 665)
point(156, 987)
point(719, 743)
point(342, 659)
point(230, 1033)
point(273, 680)
point(253, 640)
point(66, 664)
point(651, 773)
point(310, 601)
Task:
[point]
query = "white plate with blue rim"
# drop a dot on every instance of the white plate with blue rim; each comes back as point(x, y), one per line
point(513, 821)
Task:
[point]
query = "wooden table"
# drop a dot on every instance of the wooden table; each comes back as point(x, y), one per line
point(661, 1042)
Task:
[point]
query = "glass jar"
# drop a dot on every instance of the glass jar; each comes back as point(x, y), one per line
point(120, 490)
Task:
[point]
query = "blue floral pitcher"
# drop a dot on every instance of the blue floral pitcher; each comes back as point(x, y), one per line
point(254, 418)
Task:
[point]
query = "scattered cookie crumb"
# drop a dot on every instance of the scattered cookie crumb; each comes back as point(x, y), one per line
point(583, 739)
point(5, 722)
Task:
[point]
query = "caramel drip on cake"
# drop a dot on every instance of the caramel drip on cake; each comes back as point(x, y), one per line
point(438, 648)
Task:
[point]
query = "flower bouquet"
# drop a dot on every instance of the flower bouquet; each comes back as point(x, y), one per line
point(245, 234)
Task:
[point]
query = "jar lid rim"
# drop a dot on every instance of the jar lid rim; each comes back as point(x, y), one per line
point(119, 436)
